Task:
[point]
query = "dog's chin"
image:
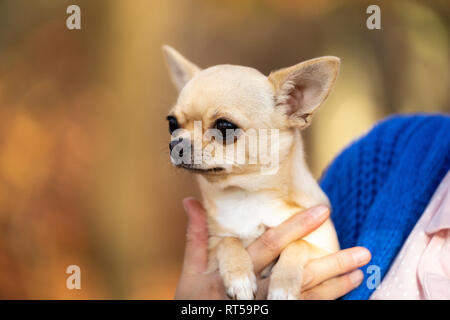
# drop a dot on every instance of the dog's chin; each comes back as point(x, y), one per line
point(200, 170)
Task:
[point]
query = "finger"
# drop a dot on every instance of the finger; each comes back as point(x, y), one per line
point(335, 287)
point(268, 247)
point(196, 250)
point(321, 269)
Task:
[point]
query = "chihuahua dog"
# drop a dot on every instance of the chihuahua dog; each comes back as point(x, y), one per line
point(241, 200)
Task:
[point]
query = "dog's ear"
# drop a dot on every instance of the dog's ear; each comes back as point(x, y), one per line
point(181, 70)
point(302, 88)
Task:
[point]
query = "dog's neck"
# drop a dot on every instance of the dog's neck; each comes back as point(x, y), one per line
point(293, 183)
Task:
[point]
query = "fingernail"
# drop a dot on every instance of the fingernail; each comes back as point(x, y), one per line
point(361, 256)
point(318, 211)
point(356, 276)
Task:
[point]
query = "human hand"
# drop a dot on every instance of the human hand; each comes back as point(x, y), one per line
point(328, 277)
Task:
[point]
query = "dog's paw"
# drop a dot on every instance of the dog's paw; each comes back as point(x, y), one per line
point(285, 281)
point(283, 294)
point(241, 287)
point(285, 285)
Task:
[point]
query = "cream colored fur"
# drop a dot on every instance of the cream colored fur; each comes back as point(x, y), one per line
point(241, 202)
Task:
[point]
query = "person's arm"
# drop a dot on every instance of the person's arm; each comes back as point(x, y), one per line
point(328, 277)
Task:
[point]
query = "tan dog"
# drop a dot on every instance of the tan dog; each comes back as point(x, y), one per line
point(242, 201)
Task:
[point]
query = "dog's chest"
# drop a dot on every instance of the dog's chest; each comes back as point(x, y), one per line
point(247, 215)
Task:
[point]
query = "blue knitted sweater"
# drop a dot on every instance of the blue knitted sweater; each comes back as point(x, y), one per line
point(380, 185)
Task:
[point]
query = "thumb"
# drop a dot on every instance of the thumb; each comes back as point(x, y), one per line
point(196, 250)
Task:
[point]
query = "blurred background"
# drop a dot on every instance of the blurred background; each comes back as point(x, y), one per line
point(85, 177)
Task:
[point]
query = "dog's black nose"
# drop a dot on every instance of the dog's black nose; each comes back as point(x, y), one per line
point(173, 143)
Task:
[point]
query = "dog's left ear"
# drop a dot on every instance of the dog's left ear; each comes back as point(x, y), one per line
point(302, 88)
point(181, 69)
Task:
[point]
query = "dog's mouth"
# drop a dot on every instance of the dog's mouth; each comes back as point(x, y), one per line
point(200, 170)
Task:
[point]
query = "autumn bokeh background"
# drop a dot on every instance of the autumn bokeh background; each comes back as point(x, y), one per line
point(84, 171)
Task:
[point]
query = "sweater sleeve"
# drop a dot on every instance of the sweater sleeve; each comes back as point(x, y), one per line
point(379, 185)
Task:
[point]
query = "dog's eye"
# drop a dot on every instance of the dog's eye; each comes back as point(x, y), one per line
point(173, 124)
point(227, 129)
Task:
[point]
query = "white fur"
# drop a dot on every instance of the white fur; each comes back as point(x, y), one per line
point(236, 211)
point(248, 215)
point(243, 288)
point(282, 294)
